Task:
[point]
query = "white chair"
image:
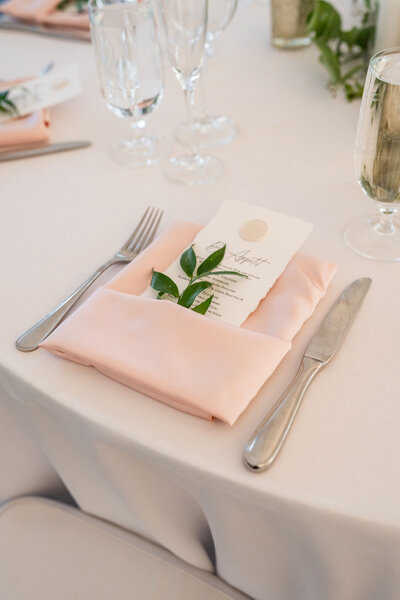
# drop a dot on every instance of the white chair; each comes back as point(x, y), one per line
point(51, 551)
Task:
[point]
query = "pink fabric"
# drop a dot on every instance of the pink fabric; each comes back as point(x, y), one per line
point(44, 11)
point(30, 130)
point(193, 363)
point(25, 131)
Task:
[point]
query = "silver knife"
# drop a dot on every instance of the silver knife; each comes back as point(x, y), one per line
point(267, 440)
point(49, 149)
point(65, 34)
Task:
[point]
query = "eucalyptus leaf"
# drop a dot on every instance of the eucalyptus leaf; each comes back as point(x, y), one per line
point(366, 37)
point(352, 72)
point(203, 307)
point(164, 284)
point(324, 21)
point(79, 5)
point(345, 54)
point(6, 105)
point(350, 37)
point(190, 294)
point(211, 261)
point(188, 261)
point(329, 60)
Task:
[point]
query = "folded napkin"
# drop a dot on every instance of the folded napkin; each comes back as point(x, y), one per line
point(196, 364)
point(44, 11)
point(24, 131)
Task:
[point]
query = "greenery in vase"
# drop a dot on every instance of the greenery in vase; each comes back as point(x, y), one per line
point(165, 286)
point(345, 54)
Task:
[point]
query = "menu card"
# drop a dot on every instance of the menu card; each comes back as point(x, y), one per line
point(259, 244)
point(41, 92)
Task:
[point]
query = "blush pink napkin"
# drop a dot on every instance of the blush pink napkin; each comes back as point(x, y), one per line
point(44, 11)
point(30, 130)
point(193, 363)
point(25, 131)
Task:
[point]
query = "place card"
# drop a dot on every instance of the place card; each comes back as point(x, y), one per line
point(259, 244)
point(41, 92)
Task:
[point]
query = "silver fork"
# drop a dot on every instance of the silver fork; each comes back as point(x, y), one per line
point(140, 238)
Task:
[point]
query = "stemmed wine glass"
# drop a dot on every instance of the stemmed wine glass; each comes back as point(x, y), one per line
point(130, 69)
point(185, 23)
point(377, 158)
point(209, 130)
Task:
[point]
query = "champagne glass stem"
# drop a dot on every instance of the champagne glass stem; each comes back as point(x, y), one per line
point(203, 108)
point(189, 97)
point(386, 224)
point(209, 49)
point(137, 127)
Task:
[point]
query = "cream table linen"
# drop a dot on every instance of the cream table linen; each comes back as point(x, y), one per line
point(24, 468)
point(324, 522)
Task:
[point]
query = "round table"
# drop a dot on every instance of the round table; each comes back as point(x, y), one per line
point(324, 521)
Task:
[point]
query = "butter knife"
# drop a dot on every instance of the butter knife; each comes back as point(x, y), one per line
point(269, 437)
point(49, 149)
point(65, 34)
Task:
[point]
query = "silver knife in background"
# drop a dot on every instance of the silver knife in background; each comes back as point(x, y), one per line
point(267, 440)
point(49, 149)
point(75, 35)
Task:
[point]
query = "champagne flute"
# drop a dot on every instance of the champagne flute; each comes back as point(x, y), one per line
point(185, 23)
point(377, 158)
point(130, 69)
point(220, 14)
point(208, 130)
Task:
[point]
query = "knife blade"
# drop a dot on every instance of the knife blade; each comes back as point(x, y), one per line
point(49, 149)
point(269, 437)
point(11, 24)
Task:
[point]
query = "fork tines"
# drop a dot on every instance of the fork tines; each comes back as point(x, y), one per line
point(145, 230)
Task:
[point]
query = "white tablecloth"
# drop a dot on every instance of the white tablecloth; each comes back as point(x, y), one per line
point(324, 522)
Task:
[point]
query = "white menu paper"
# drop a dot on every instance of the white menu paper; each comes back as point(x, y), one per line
point(41, 92)
point(259, 243)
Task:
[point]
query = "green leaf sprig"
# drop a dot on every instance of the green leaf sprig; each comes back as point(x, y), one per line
point(81, 6)
point(164, 285)
point(345, 54)
point(7, 106)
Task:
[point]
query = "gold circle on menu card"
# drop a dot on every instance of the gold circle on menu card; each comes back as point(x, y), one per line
point(254, 230)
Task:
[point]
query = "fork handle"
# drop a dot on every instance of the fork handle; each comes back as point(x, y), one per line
point(32, 337)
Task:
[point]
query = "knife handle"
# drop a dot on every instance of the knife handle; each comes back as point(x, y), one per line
point(267, 440)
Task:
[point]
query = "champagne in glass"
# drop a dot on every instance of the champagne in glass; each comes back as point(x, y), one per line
point(377, 158)
point(130, 70)
point(185, 23)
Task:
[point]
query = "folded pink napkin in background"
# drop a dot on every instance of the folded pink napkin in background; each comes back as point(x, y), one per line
point(191, 362)
point(44, 11)
point(24, 131)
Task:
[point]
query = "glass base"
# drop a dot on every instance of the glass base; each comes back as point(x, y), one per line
point(207, 132)
point(365, 236)
point(194, 170)
point(139, 152)
point(294, 43)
